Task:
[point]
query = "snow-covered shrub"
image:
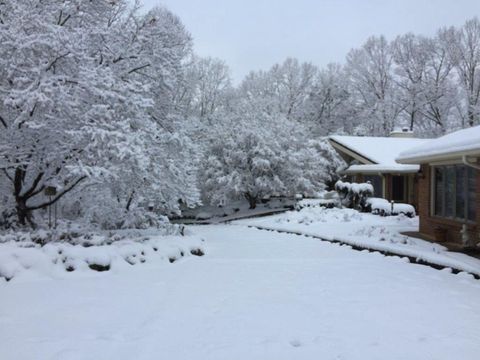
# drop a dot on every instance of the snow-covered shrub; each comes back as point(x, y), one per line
point(8, 219)
point(379, 206)
point(310, 203)
point(60, 253)
point(354, 195)
point(111, 218)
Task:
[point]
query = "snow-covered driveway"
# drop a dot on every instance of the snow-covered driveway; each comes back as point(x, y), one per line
point(256, 295)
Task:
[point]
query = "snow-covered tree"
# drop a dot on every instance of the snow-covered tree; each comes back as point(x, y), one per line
point(86, 95)
point(463, 46)
point(370, 70)
point(261, 154)
point(410, 55)
point(441, 95)
point(327, 107)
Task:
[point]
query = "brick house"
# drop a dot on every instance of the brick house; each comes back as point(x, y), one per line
point(449, 186)
point(372, 159)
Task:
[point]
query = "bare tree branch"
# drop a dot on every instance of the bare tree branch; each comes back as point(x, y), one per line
point(4, 123)
point(138, 68)
point(36, 181)
point(52, 64)
point(58, 197)
point(7, 175)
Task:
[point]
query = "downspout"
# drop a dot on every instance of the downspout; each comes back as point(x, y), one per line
point(468, 163)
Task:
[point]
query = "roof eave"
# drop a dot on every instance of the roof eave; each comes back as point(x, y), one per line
point(378, 172)
point(439, 157)
point(350, 152)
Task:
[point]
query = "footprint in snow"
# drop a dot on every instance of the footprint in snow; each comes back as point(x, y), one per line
point(295, 343)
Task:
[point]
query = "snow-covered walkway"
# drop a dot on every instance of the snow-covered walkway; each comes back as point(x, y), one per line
point(255, 295)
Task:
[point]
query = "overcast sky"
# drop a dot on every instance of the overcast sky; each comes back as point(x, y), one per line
point(255, 34)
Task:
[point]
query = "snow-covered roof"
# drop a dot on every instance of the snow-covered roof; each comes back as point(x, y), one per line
point(453, 145)
point(376, 150)
point(380, 168)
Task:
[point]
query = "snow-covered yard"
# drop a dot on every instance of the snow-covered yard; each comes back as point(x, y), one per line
point(255, 295)
point(366, 231)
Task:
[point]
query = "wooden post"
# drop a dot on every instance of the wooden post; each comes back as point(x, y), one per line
point(51, 191)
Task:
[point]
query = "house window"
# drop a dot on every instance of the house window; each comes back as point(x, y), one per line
point(454, 192)
point(377, 184)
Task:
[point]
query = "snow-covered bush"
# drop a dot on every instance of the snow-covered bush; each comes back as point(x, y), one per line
point(59, 253)
point(354, 195)
point(379, 206)
point(326, 203)
point(113, 217)
point(8, 219)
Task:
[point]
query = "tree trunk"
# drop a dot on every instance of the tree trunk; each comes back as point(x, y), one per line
point(252, 200)
point(471, 116)
point(24, 214)
point(129, 201)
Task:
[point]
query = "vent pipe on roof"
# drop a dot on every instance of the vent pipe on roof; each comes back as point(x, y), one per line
point(402, 133)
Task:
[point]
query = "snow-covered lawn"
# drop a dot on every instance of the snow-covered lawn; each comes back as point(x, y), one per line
point(255, 295)
point(366, 230)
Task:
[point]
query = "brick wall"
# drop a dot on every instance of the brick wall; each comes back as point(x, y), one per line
point(478, 205)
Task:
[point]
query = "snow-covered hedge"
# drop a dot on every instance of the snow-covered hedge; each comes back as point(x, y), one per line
point(326, 203)
point(379, 206)
point(354, 195)
point(27, 254)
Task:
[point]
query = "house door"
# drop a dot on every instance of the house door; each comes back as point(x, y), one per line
point(398, 188)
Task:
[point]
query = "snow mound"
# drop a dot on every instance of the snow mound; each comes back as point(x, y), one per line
point(27, 258)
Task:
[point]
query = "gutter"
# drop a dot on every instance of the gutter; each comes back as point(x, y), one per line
point(468, 163)
point(377, 172)
point(440, 157)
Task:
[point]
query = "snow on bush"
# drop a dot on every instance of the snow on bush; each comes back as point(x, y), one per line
point(354, 195)
point(114, 217)
point(51, 253)
point(379, 206)
point(327, 203)
point(312, 215)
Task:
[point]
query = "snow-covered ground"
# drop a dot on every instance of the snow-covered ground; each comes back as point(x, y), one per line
point(255, 295)
point(366, 230)
point(235, 209)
